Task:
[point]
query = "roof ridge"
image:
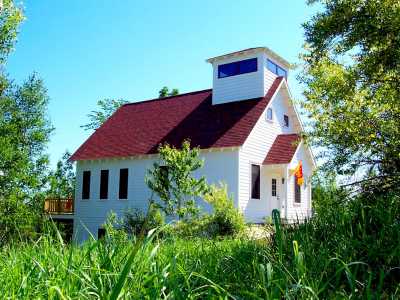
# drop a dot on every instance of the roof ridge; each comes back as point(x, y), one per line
point(168, 97)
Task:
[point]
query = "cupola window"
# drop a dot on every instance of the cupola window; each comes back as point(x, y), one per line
point(237, 68)
point(274, 68)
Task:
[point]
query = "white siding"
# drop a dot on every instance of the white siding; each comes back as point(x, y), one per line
point(239, 87)
point(244, 86)
point(91, 214)
point(254, 150)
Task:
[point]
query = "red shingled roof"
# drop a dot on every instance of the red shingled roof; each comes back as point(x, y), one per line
point(282, 149)
point(139, 128)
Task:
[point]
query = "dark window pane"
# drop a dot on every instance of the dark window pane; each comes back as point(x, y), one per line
point(248, 66)
point(101, 233)
point(274, 187)
point(286, 120)
point(227, 70)
point(238, 67)
point(274, 68)
point(104, 184)
point(86, 185)
point(297, 191)
point(255, 182)
point(271, 66)
point(269, 114)
point(123, 183)
point(281, 72)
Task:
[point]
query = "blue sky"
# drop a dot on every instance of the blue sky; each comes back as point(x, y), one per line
point(90, 50)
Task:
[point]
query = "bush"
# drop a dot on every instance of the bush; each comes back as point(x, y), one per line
point(225, 219)
point(134, 220)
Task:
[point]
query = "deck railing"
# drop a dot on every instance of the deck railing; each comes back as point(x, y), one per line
point(59, 206)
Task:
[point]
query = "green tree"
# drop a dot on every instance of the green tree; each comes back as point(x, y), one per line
point(10, 18)
point(62, 180)
point(352, 79)
point(173, 182)
point(24, 132)
point(106, 108)
point(165, 92)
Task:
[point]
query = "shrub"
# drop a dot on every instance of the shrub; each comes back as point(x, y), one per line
point(225, 219)
point(134, 220)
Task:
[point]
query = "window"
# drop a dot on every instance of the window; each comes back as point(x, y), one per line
point(297, 191)
point(104, 184)
point(237, 68)
point(274, 68)
point(286, 120)
point(123, 183)
point(101, 233)
point(86, 185)
point(255, 182)
point(273, 187)
point(269, 114)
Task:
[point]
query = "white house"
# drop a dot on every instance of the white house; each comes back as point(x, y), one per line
point(246, 127)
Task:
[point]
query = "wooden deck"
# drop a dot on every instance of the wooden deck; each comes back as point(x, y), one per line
point(59, 206)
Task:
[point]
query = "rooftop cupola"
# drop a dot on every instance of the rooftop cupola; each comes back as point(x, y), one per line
point(245, 74)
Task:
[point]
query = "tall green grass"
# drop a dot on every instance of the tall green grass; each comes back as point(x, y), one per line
point(352, 251)
point(175, 269)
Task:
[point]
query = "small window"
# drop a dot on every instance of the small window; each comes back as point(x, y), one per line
point(86, 185)
point(255, 182)
point(237, 68)
point(104, 184)
point(286, 120)
point(269, 114)
point(123, 183)
point(297, 191)
point(273, 187)
point(281, 72)
point(101, 233)
point(274, 68)
point(271, 66)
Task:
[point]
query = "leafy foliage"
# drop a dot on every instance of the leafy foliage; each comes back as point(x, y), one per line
point(10, 18)
point(165, 92)
point(173, 182)
point(133, 221)
point(352, 75)
point(62, 180)
point(225, 219)
point(106, 107)
point(24, 132)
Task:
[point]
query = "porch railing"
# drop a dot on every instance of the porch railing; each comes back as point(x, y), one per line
point(59, 206)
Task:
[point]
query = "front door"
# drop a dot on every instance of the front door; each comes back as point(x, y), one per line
point(275, 192)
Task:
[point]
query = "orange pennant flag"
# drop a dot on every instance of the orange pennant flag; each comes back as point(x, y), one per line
point(299, 173)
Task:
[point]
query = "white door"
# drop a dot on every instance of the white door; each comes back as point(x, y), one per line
point(275, 192)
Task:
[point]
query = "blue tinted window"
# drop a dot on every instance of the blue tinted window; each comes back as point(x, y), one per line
point(281, 72)
point(274, 68)
point(248, 66)
point(271, 66)
point(227, 70)
point(238, 67)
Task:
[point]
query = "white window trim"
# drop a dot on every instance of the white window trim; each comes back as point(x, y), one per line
point(272, 115)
